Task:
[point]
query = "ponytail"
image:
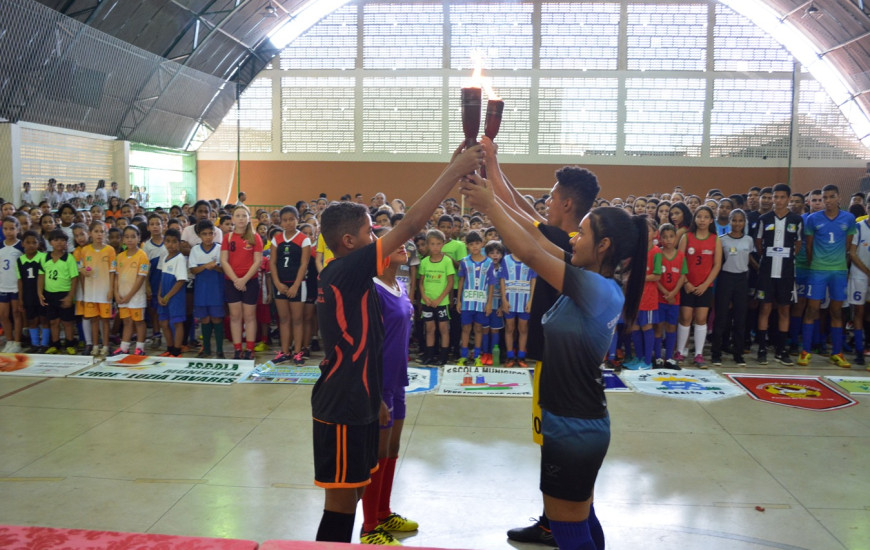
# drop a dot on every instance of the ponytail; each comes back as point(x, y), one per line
point(637, 277)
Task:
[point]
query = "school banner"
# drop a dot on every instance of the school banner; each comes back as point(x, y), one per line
point(856, 385)
point(488, 381)
point(169, 369)
point(800, 392)
point(694, 385)
point(422, 379)
point(23, 364)
point(613, 383)
point(282, 373)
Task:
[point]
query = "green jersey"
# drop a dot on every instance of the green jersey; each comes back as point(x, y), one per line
point(455, 250)
point(435, 275)
point(59, 273)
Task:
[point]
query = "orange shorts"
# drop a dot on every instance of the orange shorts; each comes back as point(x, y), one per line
point(104, 311)
point(136, 313)
point(80, 308)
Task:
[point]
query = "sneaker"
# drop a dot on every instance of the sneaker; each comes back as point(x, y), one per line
point(478, 362)
point(679, 357)
point(220, 355)
point(638, 364)
point(840, 361)
point(15, 348)
point(699, 361)
point(281, 357)
point(395, 522)
point(486, 358)
point(521, 363)
point(794, 350)
point(248, 355)
point(804, 358)
point(7, 347)
point(462, 361)
point(631, 364)
point(612, 365)
point(71, 349)
point(299, 359)
point(119, 351)
point(166, 353)
point(716, 360)
point(741, 362)
point(859, 360)
point(762, 356)
point(139, 351)
point(237, 354)
point(510, 363)
point(88, 350)
point(52, 350)
point(659, 363)
point(203, 354)
point(784, 358)
point(671, 364)
point(378, 536)
point(261, 347)
point(823, 350)
point(533, 533)
point(315, 345)
point(306, 353)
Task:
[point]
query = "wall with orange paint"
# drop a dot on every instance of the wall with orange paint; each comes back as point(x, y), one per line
point(282, 182)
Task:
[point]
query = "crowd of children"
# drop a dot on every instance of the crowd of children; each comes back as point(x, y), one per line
point(716, 266)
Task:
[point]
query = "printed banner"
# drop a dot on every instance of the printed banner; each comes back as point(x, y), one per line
point(800, 392)
point(282, 373)
point(489, 381)
point(855, 385)
point(23, 364)
point(613, 383)
point(694, 385)
point(169, 369)
point(422, 379)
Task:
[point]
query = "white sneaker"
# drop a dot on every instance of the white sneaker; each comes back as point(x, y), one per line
point(105, 352)
point(8, 347)
point(16, 348)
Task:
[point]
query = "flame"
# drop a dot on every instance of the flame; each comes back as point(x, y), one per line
point(477, 79)
point(490, 93)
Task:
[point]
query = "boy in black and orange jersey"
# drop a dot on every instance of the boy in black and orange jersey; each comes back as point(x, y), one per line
point(346, 401)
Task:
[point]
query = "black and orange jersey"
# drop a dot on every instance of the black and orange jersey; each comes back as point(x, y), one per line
point(349, 315)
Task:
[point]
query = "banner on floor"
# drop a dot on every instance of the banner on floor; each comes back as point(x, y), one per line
point(856, 385)
point(48, 366)
point(800, 392)
point(693, 385)
point(422, 379)
point(169, 369)
point(613, 383)
point(488, 381)
point(281, 373)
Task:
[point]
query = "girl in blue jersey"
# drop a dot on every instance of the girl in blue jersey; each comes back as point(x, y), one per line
point(578, 329)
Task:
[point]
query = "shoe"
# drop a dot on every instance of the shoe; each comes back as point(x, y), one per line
point(248, 355)
point(794, 350)
point(15, 348)
point(220, 355)
point(52, 350)
point(822, 350)
point(612, 365)
point(631, 364)
point(533, 533)
point(762, 356)
point(119, 351)
point(299, 359)
point(741, 362)
point(784, 358)
point(395, 522)
point(840, 361)
point(237, 354)
point(71, 349)
point(378, 536)
point(139, 351)
point(510, 363)
point(671, 364)
point(804, 358)
point(487, 359)
point(105, 351)
point(306, 353)
point(478, 362)
point(88, 350)
point(462, 361)
point(203, 354)
point(716, 360)
point(7, 347)
point(521, 363)
point(166, 353)
point(859, 360)
point(261, 347)
point(637, 364)
point(659, 363)
point(679, 357)
point(281, 357)
point(699, 361)
point(315, 345)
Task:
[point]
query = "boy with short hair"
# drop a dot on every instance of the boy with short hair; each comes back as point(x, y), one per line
point(55, 286)
point(517, 287)
point(436, 283)
point(171, 302)
point(472, 298)
point(346, 401)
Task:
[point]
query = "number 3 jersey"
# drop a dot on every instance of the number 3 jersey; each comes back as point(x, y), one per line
point(9, 254)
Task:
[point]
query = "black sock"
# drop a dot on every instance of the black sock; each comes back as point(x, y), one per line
point(762, 339)
point(545, 521)
point(335, 527)
point(444, 352)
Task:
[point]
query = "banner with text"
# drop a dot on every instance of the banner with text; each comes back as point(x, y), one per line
point(856, 385)
point(281, 373)
point(422, 379)
point(488, 381)
point(694, 385)
point(800, 392)
point(23, 364)
point(169, 369)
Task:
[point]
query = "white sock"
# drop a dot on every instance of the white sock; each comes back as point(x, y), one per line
point(682, 339)
point(86, 328)
point(140, 345)
point(125, 346)
point(700, 336)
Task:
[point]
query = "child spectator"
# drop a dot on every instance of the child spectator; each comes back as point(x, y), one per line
point(642, 334)
point(674, 271)
point(98, 267)
point(10, 250)
point(29, 267)
point(517, 287)
point(46, 226)
point(493, 311)
point(241, 255)
point(289, 266)
point(859, 275)
point(471, 303)
point(156, 252)
point(436, 283)
point(67, 215)
point(309, 316)
point(732, 288)
point(131, 284)
point(55, 284)
point(115, 238)
point(171, 306)
point(81, 239)
point(209, 306)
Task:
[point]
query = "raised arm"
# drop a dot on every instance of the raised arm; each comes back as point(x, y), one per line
point(512, 199)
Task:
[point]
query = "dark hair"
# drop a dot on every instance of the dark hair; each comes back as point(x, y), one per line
point(57, 234)
point(858, 194)
point(581, 186)
point(116, 230)
point(492, 246)
point(396, 218)
point(815, 192)
point(202, 225)
point(31, 233)
point(687, 214)
point(755, 188)
point(782, 187)
point(12, 219)
point(131, 227)
point(767, 190)
point(445, 218)
point(737, 200)
point(289, 210)
point(723, 199)
point(475, 219)
point(831, 187)
point(473, 237)
point(628, 241)
point(64, 206)
point(735, 212)
point(435, 234)
point(339, 219)
point(223, 218)
point(175, 233)
point(667, 227)
point(709, 210)
point(856, 210)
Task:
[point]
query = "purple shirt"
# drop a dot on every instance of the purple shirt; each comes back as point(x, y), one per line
point(397, 312)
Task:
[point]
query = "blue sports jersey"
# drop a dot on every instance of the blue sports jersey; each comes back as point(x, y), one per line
point(829, 239)
point(517, 283)
point(474, 287)
point(174, 270)
point(493, 276)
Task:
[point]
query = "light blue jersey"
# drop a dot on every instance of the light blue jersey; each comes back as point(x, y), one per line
point(830, 238)
point(517, 278)
point(474, 287)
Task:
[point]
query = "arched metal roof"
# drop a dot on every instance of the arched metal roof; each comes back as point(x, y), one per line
point(152, 71)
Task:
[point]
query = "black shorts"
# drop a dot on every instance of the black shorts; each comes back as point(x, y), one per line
point(778, 291)
point(248, 297)
point(571, 455)
point(690, 300)
point(33, 311)
point(438, 313)
point(53, 310)
point(311, 285)
point(301, 294)
point(345, 456)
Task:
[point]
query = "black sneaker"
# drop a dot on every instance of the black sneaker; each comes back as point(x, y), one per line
point(315, 345)
point(659, 363)
point(671, 364)
point(741, 362)
point(306, 352)
point(784, 358)
point(762, 356)
point(716, 360)
point(794, 349)
point(533, 533)
point(859, 359)
point(237, 354)
point(249, 354)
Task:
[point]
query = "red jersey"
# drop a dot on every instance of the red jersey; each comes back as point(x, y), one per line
point(241, 253)
point(649, 300)
point(700, 254)
point(672, 269)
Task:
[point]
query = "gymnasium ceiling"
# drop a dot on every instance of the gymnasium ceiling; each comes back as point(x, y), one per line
point(210, 43)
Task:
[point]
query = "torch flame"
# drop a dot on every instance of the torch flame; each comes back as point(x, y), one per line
point(490, 93)
point(477, 79)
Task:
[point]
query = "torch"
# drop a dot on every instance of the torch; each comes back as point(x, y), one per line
point(494, 110)
point(471, 97)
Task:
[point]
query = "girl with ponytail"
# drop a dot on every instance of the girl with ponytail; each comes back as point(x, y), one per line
point(578, 328)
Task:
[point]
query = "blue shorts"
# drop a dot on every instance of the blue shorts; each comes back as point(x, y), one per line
point(571, 455)
point(831, 281)
point(648, 317)
point(395, 401)
point(163, 314)
point(6, 297)
point(521, 315)
point(478, 317)
point(801, 278)
point(496, 321)
point(669, 313)
point(201, 312)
